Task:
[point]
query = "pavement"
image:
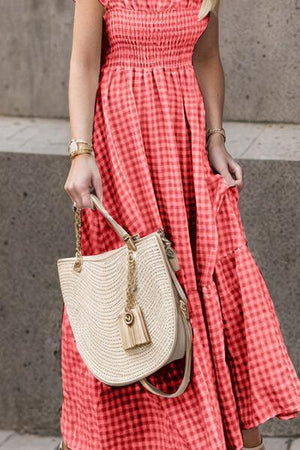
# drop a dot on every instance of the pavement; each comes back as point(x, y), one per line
point(9, 440)
point(245, 140)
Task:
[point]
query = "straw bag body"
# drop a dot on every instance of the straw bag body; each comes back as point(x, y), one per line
point(127, 310)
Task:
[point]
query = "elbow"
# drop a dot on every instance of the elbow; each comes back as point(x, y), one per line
point(86, 63)
point(207, 58)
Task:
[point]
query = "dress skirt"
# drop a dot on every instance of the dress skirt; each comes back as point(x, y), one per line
point(149, 141)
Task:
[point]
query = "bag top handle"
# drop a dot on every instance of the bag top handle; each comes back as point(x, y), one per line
point(122, 233)
point(97, 202)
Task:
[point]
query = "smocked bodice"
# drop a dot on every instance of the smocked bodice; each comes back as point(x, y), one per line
point(149, 34)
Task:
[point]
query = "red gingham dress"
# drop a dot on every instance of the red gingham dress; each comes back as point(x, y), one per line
point(149, 140)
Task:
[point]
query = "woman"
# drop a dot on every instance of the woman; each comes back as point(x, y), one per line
point(155, 125)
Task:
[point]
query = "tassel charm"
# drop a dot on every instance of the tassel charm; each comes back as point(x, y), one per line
point(132, 325)
point(133, 329)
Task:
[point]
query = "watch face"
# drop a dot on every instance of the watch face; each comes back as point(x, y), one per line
point(73, 146)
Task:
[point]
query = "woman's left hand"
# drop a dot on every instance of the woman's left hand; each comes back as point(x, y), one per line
point(223, 163)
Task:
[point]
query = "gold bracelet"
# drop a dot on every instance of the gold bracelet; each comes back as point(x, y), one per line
point(82, 151)
point(211, 131)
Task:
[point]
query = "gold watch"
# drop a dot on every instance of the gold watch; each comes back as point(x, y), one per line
point(79, 147)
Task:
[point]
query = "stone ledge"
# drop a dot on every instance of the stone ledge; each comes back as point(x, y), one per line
point(245, 140)
point(10, 440)
point(295, 444)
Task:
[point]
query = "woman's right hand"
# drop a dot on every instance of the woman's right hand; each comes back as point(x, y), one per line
point(83, 175)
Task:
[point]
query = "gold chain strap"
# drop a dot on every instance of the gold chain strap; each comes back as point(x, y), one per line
point(77, 225)
point(131, 279)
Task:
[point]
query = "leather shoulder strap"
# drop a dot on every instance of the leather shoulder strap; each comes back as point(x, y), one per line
point(187, 370)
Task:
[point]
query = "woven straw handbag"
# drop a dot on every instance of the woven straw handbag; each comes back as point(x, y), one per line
point(128, 312)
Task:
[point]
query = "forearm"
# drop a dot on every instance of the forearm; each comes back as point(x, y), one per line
point(83, 84)
point(210, 77)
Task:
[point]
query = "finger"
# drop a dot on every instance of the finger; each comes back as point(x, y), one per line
point(228, 177)
point(75, 200)
point(79, 191)
point(97, 185)
point(237, 170)
point(85, 199)
point(71, 191)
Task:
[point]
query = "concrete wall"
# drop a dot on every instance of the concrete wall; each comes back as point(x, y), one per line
point(36, 219)
point(261, 54)
point(34, 55)
point(260, 50)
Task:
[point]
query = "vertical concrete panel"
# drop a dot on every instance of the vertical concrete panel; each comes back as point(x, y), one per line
point(32, 223)
point(261, 54)
point(35, 52)
point(259, 43)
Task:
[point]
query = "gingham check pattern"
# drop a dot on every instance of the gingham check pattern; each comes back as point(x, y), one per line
point(149, 139)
